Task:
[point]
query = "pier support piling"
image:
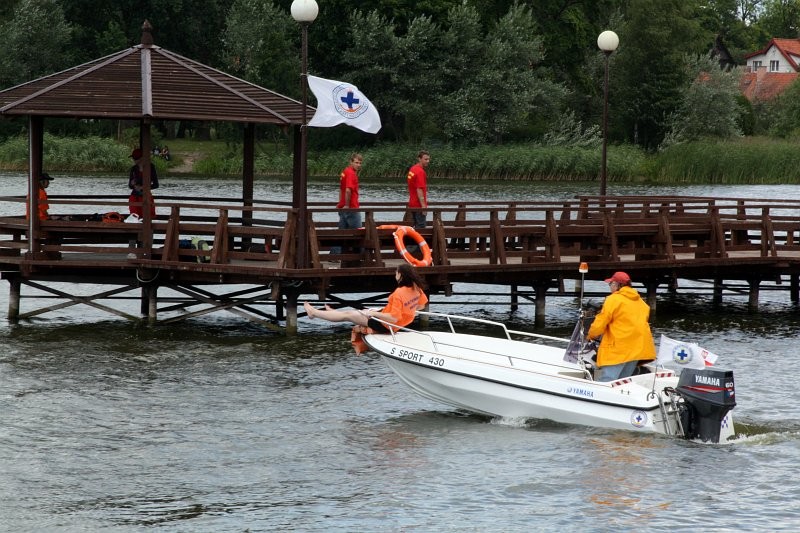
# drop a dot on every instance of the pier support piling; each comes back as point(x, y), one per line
point(752, 304)
point(716, 299)
point(291, 313)
point(652, 288)
point(514, 298)
point(13, 301)
point(540, 297)
point(152, 304)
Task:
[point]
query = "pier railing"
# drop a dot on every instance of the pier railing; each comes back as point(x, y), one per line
point(223, 231)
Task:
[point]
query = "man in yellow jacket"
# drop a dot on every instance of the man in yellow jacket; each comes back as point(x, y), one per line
point(626, 334)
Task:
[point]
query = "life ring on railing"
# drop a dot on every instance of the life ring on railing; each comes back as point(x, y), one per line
point(400, 232)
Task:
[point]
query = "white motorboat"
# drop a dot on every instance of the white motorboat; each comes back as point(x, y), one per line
point(520, 374)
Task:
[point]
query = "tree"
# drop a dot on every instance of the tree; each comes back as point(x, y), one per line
point(508, 87)
point(781, 18)
point(709, 105)
point(191, 28)
point(783, 113)
point(34, 42)
point(371, 61)
point(647, 73)
point(260, 45)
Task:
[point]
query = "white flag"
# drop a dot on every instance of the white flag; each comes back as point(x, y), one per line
point(342, 103)
point(678, 355)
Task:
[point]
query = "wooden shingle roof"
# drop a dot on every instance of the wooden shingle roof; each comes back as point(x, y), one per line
point(147, 81)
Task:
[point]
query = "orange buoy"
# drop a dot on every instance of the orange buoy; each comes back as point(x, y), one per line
point(399, 234)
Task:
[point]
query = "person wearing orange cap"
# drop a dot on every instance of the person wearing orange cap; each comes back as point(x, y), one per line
point(136, 184)
point(622, 322)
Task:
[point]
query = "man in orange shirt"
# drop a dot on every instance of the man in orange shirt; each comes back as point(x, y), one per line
point(43, 205)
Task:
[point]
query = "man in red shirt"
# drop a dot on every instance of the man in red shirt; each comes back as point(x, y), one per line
point(418, 188)
point(349, 216)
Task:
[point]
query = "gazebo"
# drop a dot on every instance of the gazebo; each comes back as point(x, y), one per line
point(148, 83)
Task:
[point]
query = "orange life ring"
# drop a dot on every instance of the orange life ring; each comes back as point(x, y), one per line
point(399, 234)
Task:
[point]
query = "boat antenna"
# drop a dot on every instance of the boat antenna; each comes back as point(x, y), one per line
point(583, 269)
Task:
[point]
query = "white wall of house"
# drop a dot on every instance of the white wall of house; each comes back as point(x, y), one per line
point(772, 61)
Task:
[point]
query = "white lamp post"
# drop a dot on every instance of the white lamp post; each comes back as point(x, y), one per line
point(304, 12)
point(607, 42)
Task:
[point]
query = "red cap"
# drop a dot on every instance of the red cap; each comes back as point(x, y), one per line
point(620, 277)
point(136, 154)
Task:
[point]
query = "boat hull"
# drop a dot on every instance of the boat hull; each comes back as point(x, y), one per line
point(506, 378)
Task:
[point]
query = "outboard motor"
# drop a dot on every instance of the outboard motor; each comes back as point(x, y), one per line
point(708, 396)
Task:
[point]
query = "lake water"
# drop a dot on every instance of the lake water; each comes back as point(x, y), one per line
point(218, 425)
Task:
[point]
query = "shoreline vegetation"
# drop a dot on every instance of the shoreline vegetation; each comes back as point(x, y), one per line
point(748, 160)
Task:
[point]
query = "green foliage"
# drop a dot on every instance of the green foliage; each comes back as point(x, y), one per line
point(709, 106)
point(569, 131)
point(86, 154)
point(517, 162)
point(648, 74)
point(189, 28)
point(259, 43)
point(440, 71)
point(780, 18)
point(34, 42)
point(455, 81)
point(783, 114)
point(111, 39)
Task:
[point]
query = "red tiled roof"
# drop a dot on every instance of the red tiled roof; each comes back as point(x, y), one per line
point(762, 86)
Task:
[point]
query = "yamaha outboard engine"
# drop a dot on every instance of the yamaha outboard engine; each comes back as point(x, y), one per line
point(708, 396)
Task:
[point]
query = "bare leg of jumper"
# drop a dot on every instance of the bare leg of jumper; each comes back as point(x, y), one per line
point(335, 315)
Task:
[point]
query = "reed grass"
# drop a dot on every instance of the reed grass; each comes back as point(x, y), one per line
point(745, 161)
point(73, 154)
point(514, 162)
point(740, 161)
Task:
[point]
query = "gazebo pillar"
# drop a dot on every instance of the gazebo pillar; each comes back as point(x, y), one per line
point(146, 236)
point(35, 150)
point(248, 178)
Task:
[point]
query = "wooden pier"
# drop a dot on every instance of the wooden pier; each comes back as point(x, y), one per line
point(259, 259)
point(532, 248)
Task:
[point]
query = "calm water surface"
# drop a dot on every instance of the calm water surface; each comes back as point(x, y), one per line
point(217, 425)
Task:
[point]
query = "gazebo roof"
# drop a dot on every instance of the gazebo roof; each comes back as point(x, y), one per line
point(146, 81)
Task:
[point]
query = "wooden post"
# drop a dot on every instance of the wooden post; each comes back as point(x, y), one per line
point(14, 295)
point(144, 305)
point(248, 172)
point(752, 304)
point(279, 309)
point(540, 297)
point(514, 298)
point(652, 290)
point(794, 288)
point(152, 304)
point(718, 286)
point(35, 149)
point(425, 320)
point(291, 313)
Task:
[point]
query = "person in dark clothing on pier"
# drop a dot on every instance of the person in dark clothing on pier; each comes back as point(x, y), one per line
point(136, 184)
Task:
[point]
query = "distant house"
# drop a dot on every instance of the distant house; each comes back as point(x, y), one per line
point(771, 70)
